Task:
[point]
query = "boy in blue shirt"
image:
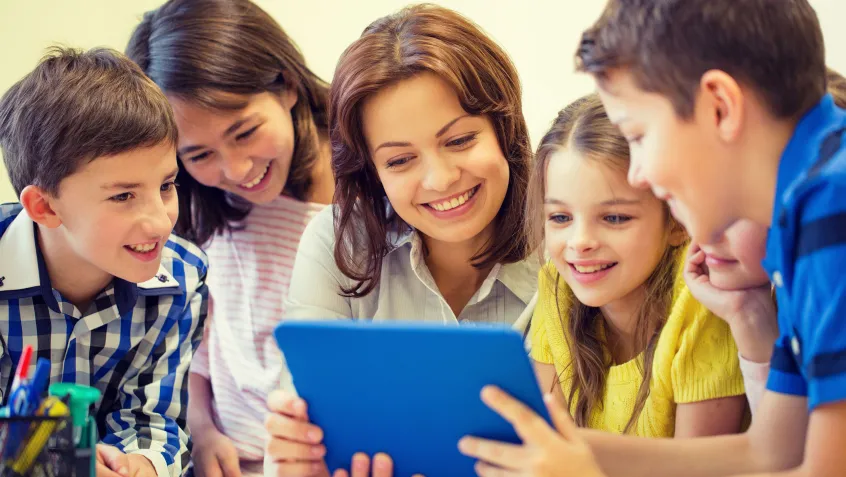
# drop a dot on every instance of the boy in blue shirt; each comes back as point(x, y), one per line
point(723, 104)
point(90, 275)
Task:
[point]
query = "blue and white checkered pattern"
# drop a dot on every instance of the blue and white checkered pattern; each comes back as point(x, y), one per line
point(134, 342)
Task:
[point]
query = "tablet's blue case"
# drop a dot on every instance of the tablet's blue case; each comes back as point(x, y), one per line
point(410, 390)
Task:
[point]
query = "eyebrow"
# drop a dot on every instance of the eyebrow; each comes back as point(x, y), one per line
point(135, 185)
point(438, 134)
point(231, 129)
point(621, 202)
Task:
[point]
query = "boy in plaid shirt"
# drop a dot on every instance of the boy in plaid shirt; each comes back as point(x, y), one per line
point(90, 275)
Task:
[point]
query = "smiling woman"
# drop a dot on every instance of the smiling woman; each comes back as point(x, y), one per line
point(431, 158)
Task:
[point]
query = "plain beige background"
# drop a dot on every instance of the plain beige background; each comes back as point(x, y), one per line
point(540, 36)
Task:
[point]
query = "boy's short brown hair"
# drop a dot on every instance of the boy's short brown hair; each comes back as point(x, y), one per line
point(774, 46)
point(74, 107)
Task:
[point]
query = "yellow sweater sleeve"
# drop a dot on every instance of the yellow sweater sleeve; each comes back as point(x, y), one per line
point(706, 364)
point(545, 312)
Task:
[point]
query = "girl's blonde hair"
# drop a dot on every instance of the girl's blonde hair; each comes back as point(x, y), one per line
point(585, 127)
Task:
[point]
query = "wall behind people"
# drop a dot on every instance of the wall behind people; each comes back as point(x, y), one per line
point(540, 36)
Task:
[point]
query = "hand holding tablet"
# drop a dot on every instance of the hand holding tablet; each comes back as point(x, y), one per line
point(409, 390)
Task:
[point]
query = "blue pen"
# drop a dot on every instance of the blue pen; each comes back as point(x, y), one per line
point(24, 401)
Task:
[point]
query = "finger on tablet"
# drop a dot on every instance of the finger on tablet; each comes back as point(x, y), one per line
point(289, 450)
point(360, 466)
point(383, 465)
point(283, 402)
point(501, 454)
point(286, 427)
point(528, 425)
point(487, 470)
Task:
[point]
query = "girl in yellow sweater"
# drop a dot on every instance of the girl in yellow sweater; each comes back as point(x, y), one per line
point(616, 330)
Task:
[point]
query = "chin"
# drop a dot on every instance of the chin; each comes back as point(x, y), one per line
point(138, 274)
point(593, 300)
point(457, 234)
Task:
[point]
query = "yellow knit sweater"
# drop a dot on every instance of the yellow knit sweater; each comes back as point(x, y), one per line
point(695, 360)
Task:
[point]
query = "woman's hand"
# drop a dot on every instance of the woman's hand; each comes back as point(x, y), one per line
point(295, 446)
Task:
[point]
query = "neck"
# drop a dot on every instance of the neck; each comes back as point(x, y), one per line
point(761, 174)
point(322, 180)
point(75, 278)
point(621, 324)
point(451, 268)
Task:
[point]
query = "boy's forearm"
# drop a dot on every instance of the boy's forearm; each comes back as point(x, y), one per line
point(626, 456)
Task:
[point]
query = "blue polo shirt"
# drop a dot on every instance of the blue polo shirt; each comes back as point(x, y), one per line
point(806, 259)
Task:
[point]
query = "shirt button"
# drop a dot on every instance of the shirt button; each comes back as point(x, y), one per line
point(794, 344)
point(777, 279)
point(162, 278)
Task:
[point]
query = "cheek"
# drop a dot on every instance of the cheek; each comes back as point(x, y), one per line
point(656, 159)
point(399, 187)
point(172, 206)
point(207, 173)
point(271, 146)
point(646, 244)
point(748, 242)
point(555, 240)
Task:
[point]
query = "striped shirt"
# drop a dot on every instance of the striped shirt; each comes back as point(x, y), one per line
point(134, 342)
point(248, 281)
point(806, 258)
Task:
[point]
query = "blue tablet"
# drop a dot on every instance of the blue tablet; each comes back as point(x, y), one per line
point(410, 390)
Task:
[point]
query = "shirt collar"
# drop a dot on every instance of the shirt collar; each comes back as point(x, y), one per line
point(519, 277)
point(802, 149)
point(25, 274)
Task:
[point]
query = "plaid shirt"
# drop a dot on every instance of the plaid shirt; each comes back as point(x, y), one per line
point(134, 342)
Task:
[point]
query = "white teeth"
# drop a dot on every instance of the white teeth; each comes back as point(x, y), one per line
point(144, 248)
point(592, 268)
point(254, 182)
point(455, 202)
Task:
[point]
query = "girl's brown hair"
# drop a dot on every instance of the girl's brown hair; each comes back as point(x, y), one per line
point(420, 39)
point(585, 127)
point(198, 49)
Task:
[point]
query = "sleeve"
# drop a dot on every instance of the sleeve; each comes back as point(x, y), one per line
point(316, 281)
point(200, 361)
point(152, 420)
point(546, 309)
point(785, 376)
point(754, 380)
point(706, 364)
point(817, 302)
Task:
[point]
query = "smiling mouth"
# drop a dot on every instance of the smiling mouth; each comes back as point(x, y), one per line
point(257, 180)
point(585, 269)
point(450, 204)
point(143, 247)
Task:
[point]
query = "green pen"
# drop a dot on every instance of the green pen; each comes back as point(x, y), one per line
point(81, 400)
